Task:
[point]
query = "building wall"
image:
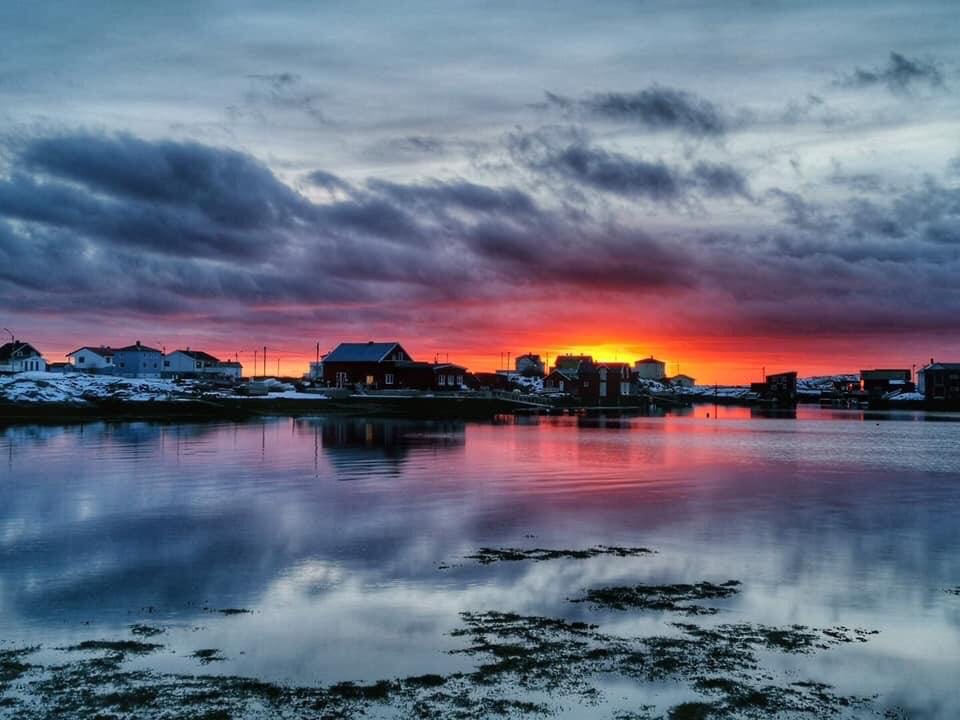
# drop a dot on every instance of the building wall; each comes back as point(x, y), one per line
point(941, 384)
point(231, 370)
point(90, 361)
point(28, 364)
point(179, 363)
point(781, 387)
point(528, 365)
point(138, 363)
point(651, 370)
point(449, 380)
point(382, 376)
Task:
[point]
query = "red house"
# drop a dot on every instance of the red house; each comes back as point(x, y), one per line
point(374, 365)
point(448, 376)
point(604, 383)
point(560, 381)
point(387, 366)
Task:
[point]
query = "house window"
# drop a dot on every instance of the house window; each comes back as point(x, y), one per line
point(388, 379)
point(109, 361)
point(199, 365)
point(342, 379)
point(560, 386)
point(370, 380)
point(80, 360)
point(166, 363)
point(459, 379)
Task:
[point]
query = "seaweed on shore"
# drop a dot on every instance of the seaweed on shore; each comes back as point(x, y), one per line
point(673, 598)
point(121, 647)
point(207, 655)
point(519, 660)
point(143, 630)
point(486, 556)
point(547, 655)
point(12, 665)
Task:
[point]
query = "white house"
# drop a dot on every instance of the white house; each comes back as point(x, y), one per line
point(92, 359)
point(18, 356)
point(650, 369)
point(681, 380)
point(195, 363)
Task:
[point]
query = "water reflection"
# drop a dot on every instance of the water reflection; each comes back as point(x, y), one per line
point(827, 518)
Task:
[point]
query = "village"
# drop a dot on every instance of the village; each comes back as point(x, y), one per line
point(387, 369)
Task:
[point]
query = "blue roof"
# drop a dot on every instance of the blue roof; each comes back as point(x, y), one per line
point(362, 352)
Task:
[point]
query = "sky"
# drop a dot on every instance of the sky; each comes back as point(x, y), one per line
point(730, 186)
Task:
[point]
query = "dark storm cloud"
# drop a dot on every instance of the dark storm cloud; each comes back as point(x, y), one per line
point(131, 226)
point(440, 197)
point(720, 180)
point(588, 166)
point(656, 108)
point(166, 197)
point(901, 74)
point(328, 181)
point(224, 184)
point(603, 258)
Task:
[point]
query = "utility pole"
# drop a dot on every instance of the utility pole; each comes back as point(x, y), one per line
point(278, 367)
point(254, 364)
point(264, 360)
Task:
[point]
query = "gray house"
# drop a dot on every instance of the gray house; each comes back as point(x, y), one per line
point(138, 361)
point(195, 363)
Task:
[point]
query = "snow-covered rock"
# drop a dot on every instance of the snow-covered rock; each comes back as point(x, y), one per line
point(80, 388)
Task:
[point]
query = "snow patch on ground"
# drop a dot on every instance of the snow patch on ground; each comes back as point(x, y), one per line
point(899, 397)
point(283, 395)
point(56, 387)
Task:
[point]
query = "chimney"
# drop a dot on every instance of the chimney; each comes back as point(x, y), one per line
point(138, 344)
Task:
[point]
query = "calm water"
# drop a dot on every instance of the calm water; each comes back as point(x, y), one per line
point(347, 537)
